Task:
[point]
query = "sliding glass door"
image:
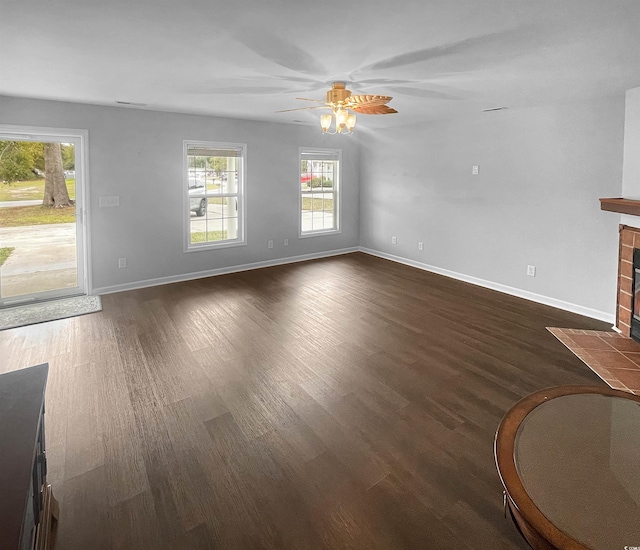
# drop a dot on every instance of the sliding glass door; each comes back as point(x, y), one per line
point(42, 230)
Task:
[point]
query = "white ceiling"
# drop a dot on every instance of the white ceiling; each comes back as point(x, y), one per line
point(249, 59)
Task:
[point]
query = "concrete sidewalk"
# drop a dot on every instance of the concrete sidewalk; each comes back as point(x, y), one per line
point(44, 258)
point(13, 204)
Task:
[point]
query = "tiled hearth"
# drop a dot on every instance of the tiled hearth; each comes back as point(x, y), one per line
point(613, 357)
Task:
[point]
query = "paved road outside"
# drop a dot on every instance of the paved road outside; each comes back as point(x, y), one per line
point(44, 258)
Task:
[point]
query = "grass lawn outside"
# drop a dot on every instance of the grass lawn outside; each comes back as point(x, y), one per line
point(17, 216)
point(30, 190)
point(317, 204)
point(5, 252)
point(201, 236)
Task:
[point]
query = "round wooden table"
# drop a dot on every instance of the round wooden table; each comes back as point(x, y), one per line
point(569, 461)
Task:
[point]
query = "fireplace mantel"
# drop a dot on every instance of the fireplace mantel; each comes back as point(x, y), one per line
point(622, 206)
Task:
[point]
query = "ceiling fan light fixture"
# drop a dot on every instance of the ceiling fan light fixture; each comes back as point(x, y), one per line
point(344, 121)
point(351, 122)
point(325, 123)
point(342, 103)
point(341, 117)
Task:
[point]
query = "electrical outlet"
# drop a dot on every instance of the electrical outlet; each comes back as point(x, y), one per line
point(475, 170)
point(420, 246)
point(269, 243)
point(531, 270)
point(286, 242)
point(122, 262)
point(394, 240)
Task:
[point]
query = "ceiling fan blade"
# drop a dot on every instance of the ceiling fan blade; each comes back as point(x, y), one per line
point(233, 90)
point(380, 81)
point(233, 85)
point(308, 85)
point(367, 100)
point(301, 80)
point(304, 108)
point(451, 48)
point(279, 51)
point(364, 104)
point(429, 94)
point(374, 110)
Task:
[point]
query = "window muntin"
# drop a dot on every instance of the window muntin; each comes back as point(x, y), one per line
point(319, 191)
point(214, 176)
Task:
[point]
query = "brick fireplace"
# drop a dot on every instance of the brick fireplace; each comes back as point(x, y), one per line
point(629, 239)
point(613, 357)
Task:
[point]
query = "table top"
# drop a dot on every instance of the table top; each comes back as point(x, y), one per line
point(575, 463)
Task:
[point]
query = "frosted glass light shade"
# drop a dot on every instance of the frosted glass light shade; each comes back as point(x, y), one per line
point(351, 122)
point(325, 122)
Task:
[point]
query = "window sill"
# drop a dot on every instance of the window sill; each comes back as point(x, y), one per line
point(320, 233)
point(213, 246)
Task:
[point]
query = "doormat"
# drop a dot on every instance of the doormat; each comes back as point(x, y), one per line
point(42, 312)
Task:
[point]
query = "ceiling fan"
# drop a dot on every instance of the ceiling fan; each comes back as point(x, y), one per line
point(340, 101)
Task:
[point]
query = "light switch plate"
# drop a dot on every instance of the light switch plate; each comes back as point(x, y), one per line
point(109, 201)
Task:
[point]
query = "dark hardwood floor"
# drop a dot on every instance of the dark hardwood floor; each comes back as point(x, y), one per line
point(349, 402)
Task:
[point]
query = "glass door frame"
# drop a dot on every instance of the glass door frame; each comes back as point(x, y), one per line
point(80, 139)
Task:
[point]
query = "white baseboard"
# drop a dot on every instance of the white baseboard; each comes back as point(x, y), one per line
point(220, 271)
point(546, 300)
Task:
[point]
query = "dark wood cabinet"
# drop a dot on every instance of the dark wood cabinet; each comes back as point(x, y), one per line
point(28, 510)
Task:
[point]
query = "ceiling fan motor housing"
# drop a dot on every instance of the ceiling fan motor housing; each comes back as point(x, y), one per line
point(338, 93)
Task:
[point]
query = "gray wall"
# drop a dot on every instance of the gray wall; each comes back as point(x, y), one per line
point(534, 202)
point(631, 162)
point(137, 154)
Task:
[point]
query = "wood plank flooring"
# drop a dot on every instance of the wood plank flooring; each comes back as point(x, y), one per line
point(348, 402)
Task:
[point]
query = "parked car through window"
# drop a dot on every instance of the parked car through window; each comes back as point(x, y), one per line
point(197, 199)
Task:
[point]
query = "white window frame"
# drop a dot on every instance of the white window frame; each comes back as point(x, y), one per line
point(330, 154)
point(241, 240)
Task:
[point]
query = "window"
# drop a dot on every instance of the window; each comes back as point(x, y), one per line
point(319, 191)
point(214, 187)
